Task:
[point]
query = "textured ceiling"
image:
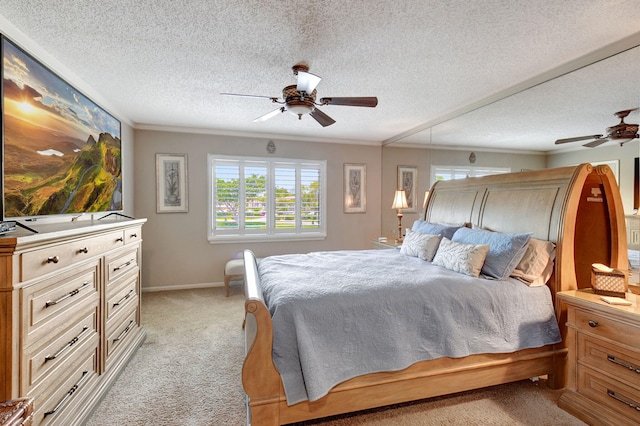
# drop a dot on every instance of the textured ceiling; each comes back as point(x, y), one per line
point(164, 63)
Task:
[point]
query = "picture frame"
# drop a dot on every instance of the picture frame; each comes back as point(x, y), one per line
point(408, 180)
point(355, 185)
point(171, 183)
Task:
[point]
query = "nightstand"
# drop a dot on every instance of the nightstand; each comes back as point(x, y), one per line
point(389, 244)
point(603, 360)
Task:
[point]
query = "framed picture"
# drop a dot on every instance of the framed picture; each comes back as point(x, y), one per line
point(355, 188)
point(171, 183)
point(408, 180)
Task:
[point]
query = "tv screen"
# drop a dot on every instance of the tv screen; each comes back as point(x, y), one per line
point(61, 152)
point(636, 184)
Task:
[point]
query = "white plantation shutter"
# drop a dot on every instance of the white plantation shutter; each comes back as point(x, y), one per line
point(263, 198)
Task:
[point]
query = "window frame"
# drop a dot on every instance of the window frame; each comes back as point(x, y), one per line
point(473, 169)
point(271, 232)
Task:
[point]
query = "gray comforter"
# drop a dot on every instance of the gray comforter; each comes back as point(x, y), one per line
point(341, 314)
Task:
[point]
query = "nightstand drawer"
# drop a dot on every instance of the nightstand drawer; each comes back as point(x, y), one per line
point(606, 327)
point(611, 359)
point(601, 389)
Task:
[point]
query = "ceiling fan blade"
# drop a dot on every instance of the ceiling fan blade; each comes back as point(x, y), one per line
point(250, 96)
point(307, 82)
point(322, 118)
point(366, 101)
point(579, 138)
point(595, 143)
point(269, 115)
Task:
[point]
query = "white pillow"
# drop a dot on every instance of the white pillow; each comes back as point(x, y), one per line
point(420, 245)
point(460, 257)
point(536, 266)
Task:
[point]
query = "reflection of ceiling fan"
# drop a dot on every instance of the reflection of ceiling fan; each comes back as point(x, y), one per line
point(300, 99)
point(621, 133)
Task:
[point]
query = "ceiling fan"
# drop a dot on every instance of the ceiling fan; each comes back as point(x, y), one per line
point(621, 133)
point(300, 99)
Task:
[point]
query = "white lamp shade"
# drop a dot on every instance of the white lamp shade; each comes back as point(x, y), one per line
point(400, 200)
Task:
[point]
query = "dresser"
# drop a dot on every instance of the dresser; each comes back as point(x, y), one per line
point(69, 314)
point(604, 359)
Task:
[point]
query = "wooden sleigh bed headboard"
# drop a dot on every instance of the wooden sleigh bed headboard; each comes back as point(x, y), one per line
point(579, 208)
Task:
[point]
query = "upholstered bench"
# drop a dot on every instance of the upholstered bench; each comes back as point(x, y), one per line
point(234, 270)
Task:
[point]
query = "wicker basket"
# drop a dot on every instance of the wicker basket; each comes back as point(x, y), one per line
point(609, 283)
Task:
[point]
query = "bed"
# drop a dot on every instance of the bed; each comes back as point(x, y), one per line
point(577, 208)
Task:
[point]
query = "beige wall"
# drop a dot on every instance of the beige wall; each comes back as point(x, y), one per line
point(423, 158)
point(176, 250)
point(624, 154)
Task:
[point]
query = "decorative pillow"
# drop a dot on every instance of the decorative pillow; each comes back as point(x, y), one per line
point(505, 250)
point(459, 257)
point(536, 265)
point(420, 245)
point(434, 228)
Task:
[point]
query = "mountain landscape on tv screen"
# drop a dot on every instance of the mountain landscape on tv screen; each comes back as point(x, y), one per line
point(49, 173)
point(61, 151)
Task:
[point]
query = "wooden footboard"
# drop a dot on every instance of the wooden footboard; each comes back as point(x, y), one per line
point(565, 206)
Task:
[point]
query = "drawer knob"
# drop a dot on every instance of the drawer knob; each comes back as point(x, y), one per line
point(593, 323)
point(83, 250)
point(53, 259)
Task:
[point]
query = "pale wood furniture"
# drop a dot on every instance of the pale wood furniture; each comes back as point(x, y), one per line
point(383, 245)
point(69, 314)
point(17, 412)
point(560, 205)
point(233, 271)
point(604, 359)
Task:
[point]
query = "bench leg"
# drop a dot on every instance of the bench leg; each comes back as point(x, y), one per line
point(227, 280)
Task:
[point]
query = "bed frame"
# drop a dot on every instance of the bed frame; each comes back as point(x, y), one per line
point(579, 208)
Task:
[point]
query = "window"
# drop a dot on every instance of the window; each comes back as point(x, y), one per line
point(460, 172)
point(260, 199)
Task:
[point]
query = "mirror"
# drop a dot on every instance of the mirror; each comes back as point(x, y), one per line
point(577, 103)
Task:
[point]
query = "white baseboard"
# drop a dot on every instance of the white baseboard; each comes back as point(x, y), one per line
point(182, 287)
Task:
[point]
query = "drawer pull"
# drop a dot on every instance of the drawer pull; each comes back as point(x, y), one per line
point(124, 333)
point(124, 265)
point(53, 259)
point(134, 235)
point(85, 375)
point(66, 296)
point(119, 240)
point(593, 323)
point(613, 395)
point(613, 359)
point(83, 250)
point(121, 301)
point(67, 346)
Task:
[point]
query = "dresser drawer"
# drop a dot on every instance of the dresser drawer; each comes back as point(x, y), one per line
point(609, 392)
point(120, 263)
point(121, 293)
point(45, 359)
point(50, 304)
point(131, 235)
point(55, 257)
point(606, 327)
point(120, 329)
point(78, 381)
point(609, 358)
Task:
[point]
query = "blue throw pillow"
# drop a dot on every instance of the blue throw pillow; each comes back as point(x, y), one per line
point(505, 250)
point(434, 228)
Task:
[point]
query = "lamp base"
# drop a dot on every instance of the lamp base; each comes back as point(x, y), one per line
point(399, 239)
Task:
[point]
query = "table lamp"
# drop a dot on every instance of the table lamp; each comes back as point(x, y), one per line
point(399, 203)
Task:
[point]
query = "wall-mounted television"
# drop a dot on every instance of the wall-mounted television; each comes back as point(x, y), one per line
point(636, 184)
point(61, 152)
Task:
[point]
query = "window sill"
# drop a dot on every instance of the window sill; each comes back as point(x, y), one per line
point(230, 239)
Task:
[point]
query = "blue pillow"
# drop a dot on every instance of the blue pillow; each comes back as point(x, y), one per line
point(505, 250)
point(434, 228)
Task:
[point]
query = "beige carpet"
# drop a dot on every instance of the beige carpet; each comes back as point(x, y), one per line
point(188, 373)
